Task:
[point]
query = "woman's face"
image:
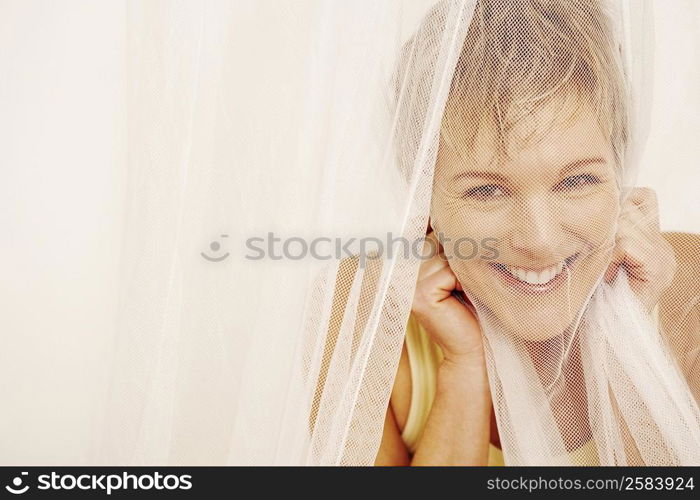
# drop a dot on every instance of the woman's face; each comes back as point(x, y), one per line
point(548, 212)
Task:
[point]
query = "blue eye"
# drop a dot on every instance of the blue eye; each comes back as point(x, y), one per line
point(577, 181)
point(487, 191)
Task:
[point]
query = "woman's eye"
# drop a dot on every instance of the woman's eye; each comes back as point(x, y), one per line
point(577, 181)
point(487, 191)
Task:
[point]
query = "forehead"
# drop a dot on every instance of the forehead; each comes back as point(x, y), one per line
point(543, 141)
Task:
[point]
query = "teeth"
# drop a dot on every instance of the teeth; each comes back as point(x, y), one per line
point(536, 278)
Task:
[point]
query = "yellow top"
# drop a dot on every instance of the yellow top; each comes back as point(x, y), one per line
point(424, 358)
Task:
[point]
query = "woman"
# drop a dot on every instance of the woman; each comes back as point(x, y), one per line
point(532, 150)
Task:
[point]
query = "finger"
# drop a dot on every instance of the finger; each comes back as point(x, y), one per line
point(642, 209)
point(630, 254)
point(435, 239)
point(617, 258)
point(636, 230)
point(645, 199)
point(431, 246)
point(430, 268)
point(433, 255)
point(438, 286)
point(637, 238)
point(611, 272)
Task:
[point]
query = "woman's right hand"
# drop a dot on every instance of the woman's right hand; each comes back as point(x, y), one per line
point(450, 324)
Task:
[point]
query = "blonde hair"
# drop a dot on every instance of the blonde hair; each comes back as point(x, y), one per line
point(520, 55)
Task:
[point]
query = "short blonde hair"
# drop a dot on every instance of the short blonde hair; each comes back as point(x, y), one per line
point(522, 54)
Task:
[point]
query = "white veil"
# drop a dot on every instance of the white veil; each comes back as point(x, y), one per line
point(587, 366)
point(137, 331)
point(262, 120)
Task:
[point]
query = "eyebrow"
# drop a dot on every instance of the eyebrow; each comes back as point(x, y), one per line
point(497, 177)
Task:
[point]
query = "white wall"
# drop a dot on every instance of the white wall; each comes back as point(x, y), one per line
point(672, 158)
point(62, 91)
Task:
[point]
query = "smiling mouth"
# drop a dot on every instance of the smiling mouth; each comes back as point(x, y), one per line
point(530, 281)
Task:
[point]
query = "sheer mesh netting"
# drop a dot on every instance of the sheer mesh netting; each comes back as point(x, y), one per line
point(273, 151)
point(262, 358)
point(592, 356)
point(512, 127)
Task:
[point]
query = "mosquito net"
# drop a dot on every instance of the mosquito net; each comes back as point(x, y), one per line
point(273, 168)
point(539, 149)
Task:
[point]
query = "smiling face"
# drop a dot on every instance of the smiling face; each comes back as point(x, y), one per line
point(548, 207)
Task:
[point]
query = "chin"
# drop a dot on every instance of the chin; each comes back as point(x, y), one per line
point(536, 306)
point(539, 326)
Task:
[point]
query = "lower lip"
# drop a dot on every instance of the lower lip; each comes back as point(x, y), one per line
point(513, 282)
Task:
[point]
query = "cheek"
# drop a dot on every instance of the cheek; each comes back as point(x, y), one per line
point(470, 241)
point(467, 233)
point(595, 218)
point(459, 220)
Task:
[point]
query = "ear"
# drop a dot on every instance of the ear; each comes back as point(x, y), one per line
point(430, 228)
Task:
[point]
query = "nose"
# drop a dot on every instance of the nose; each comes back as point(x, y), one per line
point(537, 227)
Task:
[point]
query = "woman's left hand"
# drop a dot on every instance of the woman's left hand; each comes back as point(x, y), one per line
point(641, 250)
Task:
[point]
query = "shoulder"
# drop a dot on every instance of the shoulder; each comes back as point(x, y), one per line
point(679, 308)
point(686, 246)
point(684, 291)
